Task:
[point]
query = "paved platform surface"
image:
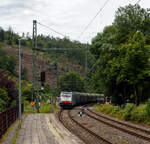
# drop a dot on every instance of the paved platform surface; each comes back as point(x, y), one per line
point(44, 129)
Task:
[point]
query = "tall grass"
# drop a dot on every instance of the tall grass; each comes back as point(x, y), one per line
point(44, 108)
point(130, 112)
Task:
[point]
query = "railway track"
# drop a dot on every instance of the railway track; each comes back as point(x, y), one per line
point(78, 129)
point(132, 130)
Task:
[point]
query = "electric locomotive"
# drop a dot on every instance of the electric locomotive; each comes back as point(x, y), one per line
point(70, 99)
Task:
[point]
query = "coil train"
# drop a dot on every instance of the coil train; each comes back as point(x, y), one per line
point(70, 99)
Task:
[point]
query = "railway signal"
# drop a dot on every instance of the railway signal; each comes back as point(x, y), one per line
point(43, 78)
point(80, 114)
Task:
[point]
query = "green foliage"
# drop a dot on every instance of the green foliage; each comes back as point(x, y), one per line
point(7, 62)
point(148, 107)
point(47, 88)
point(46, 96)
point(8, 91)
point(139, 114)
point(4, 95)
point(2, 35)
point(27, 91)
point(14, 103)
point(71, 82)
point(115, 110)
point(24, 74)
point(127, 111)
point(130, 19)
point(106, 109)
point(28, 108)
point(48, 108)
point(2, 105)
point(44, 108)
point(122, 53)
point(130, 112)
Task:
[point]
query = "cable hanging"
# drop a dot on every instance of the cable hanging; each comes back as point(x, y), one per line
point(51, 29)
point(138, 2)
point(93, 18)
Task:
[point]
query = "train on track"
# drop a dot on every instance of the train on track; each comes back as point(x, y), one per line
point(70, 99)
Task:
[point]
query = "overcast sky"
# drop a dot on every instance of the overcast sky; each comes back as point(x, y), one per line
point(68, 17)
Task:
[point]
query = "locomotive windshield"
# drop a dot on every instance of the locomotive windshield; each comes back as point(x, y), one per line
point(66, 95)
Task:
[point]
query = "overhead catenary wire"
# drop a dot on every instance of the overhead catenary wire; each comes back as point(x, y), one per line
point(138, 2)
point(93, 18)
point(51, 29)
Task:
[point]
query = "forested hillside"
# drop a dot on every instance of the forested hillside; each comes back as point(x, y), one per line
point(73, 57)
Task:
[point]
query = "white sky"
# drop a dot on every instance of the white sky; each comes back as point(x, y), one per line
point(68, 17)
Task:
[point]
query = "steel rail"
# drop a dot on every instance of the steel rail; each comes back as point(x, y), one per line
point(119, 128)
point(130, 126)
point(88, 130)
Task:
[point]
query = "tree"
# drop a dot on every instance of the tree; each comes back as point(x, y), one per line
point(71, 81)
point(2, 35)
point(134, 63)
point(130, 19)
point(122, 53)
point(7, 62)
point(4, 99)
point(9, 85)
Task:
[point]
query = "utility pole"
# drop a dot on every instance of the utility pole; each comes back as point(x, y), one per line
point(35, 67)
point(23, 38)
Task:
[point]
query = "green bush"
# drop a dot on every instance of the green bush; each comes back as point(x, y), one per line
point(13, 103)
point(115, 110)
point(4, 95)
point(148, 107)
point(2, 105)
point(127, 111)
point(28, 108)
point(106, 109)
point(139, 114)
point(130, 112)
point(27, 90)
point(27, 94)
point(47, 108)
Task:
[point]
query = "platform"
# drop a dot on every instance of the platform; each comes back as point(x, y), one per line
point(44, 129)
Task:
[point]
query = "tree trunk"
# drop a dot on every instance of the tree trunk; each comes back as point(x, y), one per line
point(136, 96)
point(125, 98)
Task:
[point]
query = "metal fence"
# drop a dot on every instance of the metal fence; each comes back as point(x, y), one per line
point(7, 118)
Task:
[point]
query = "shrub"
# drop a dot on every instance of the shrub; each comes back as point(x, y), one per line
point(8, 84)
point(13, 103)
point(4, 95)
point(106, 109)
point(27, 90)
point(2, 105)
point(148, 107)
point(139, 114)
point(115, 110)
point(127, 111)
point(28, 108)
point(27, 94)
point(47, 108)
